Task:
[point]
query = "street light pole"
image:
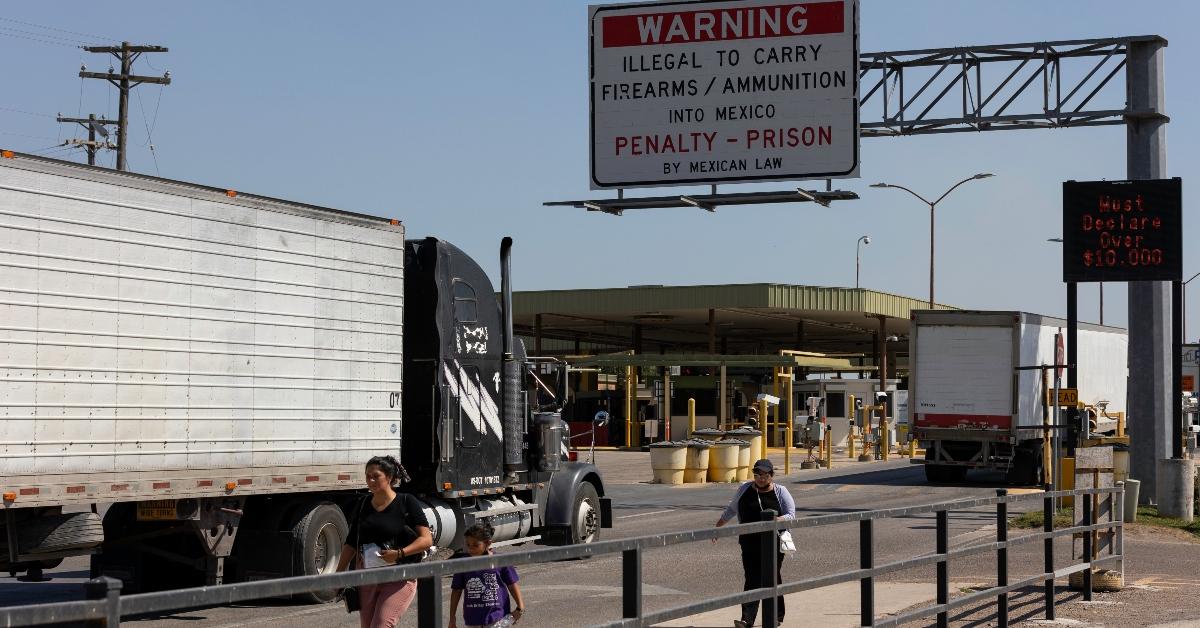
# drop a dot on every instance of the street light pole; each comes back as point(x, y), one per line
point(857, 256)
point(1183, 305)
point(932, 208)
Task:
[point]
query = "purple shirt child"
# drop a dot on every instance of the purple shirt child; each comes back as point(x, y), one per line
point(485, 594)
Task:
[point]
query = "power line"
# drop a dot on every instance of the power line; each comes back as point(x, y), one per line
point(149, 133)
point(50, 28)
point(28, 113)
point(40, 41)
point(43, 35)
point(36, 137)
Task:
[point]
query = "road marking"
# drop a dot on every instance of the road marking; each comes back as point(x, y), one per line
point(643, 514)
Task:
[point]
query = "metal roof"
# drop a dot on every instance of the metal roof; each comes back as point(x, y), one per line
point(758, 318)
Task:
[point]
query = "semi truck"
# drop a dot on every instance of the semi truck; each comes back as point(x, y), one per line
point(976, 391)
point(192, 379)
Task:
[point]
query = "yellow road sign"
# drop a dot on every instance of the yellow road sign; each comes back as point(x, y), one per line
point(1067, 396)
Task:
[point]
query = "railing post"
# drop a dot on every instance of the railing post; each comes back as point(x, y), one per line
point(943, 572)
point(108, 589)
point(631, 583)
point(1002, 558)
point(1118, 547)
point(769, 558)
point(429, 602)
point(1087, 545)
point(866, 560)
point(1048, 549)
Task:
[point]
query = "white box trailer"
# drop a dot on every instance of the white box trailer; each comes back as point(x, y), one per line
point(161, 339)
point(220, 366)
point(974, 408)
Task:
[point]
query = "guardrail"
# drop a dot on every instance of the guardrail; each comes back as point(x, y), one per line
point(105, 606)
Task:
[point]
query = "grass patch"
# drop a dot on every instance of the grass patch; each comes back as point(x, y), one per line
point(1035, 519)
point(1148, 515)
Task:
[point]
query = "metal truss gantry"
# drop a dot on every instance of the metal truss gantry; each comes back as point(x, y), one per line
point(1044, 85)
point(1055, 84)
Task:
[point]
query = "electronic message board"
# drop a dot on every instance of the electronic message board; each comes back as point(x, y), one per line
point(1123, 230)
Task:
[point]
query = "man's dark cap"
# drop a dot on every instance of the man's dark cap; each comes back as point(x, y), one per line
point(764, 466)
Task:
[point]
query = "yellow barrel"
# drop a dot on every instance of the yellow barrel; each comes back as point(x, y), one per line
point(744, 457)
point(752, 436)
point(709, 434)
point(668, 460)
point(1120, 464)
point(723, 461)
point(696, 470)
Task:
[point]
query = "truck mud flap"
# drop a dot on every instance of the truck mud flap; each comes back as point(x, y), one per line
point(606, 513)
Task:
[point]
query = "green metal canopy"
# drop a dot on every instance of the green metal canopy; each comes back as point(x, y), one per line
point(737, 360)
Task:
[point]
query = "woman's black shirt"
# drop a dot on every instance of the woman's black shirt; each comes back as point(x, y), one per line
point(395, 526)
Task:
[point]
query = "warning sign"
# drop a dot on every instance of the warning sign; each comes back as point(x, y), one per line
point(753, 90)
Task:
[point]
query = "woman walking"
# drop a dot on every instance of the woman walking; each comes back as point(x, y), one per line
point(388, 528)
point(751, 499)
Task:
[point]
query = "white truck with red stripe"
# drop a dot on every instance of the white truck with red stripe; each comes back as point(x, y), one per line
point(975, 407)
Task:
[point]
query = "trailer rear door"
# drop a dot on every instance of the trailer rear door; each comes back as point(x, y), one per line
point(963, 377)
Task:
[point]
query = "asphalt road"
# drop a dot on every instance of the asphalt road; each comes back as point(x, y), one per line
point(580, 593)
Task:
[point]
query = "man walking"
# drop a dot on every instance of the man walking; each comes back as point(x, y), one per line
point(751, 499)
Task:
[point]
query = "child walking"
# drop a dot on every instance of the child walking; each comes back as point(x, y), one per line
point(492, 596)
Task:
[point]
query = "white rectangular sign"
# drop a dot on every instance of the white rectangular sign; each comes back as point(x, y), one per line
point(708, 92)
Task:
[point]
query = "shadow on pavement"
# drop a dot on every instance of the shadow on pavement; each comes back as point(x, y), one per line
point(909, 476)
point(61, 586)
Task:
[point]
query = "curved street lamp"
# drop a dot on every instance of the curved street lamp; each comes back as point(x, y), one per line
point(932, 205)
point(858, 255)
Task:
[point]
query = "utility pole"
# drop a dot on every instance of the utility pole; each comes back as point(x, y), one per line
point(93, 125)
point(124, 82)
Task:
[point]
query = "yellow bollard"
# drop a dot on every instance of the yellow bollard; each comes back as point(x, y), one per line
point(787, 446)
point(630, 403)
point(828, 449)
point(912, 447)
point(850, 452)
point(691, 416)
point(885, 438)
point(762, 412)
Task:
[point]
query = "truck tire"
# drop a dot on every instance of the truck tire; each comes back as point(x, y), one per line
point(60, 533)
point(317, 540)
point(945, 474)
point(585, 516)
point(1026, 469)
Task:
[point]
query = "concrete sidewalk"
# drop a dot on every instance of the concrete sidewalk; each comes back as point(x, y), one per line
point(835, 605)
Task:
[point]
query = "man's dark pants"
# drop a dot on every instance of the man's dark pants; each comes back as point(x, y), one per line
point(752, 568)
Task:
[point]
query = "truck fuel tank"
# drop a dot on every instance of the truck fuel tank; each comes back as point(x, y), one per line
point(549, 440)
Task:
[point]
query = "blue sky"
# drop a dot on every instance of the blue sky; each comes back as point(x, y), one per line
point(462, 118)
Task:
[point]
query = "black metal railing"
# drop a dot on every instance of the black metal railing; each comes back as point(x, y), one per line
point(105, 606)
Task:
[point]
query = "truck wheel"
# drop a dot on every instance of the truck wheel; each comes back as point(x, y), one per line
point(1026, 469)
point(585, 518)
point(317, 543)
point(60, 533)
